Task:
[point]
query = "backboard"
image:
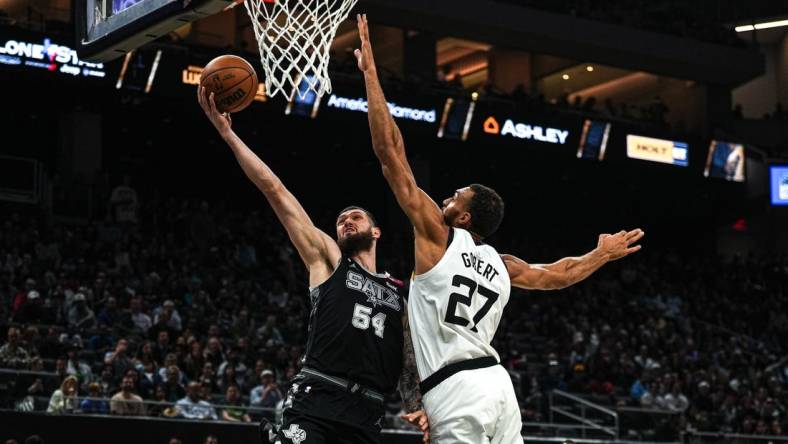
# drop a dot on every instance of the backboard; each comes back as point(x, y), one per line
point(108, 29)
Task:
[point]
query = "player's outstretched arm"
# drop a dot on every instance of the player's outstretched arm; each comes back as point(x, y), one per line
point(571, 270)
point(389, 148)
point(319, 252)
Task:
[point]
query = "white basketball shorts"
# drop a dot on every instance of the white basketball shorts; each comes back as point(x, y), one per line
point(474, 407)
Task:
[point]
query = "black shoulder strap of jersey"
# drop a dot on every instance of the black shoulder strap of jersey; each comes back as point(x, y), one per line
point(451, 237)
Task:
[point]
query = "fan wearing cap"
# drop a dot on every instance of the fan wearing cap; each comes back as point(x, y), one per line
point(32, 310)
point(80, 315)
point(358, 343)
point(266, 395)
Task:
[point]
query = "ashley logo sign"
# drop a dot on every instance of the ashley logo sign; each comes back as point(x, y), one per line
point(525, 131)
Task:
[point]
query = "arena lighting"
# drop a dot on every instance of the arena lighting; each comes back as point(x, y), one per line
point(565, 76)
point(122, 74)
point(764, 25)
point(153, 70)
point(590, 68)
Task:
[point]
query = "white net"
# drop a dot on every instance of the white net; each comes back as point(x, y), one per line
point(294, 37)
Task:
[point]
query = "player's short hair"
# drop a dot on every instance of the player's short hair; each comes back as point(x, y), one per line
point(369, 215)
point(486, 210)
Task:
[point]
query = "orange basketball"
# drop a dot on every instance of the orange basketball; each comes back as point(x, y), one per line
point(232, 80)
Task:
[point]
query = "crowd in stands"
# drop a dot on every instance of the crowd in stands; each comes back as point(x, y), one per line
point(197, 312)
point(703, 338)
point(119, 316)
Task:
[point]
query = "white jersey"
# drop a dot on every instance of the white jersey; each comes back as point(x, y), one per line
point(455, 307)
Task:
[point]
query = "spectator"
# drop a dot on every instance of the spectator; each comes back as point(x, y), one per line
point(252, 377)
point(233, 410)
point(172, 319)
point(161, 325)
point(192, 407)
point(270, 331)
point(64, 399)
point(93, 403)
point(80, 316)
point(228, 378)
point(141, 321)
point(125, 402)
point(239, 369)
point(207, 378)
point(160, 406)
point(106, 381)
point(162, 347)
point(119, 359)
point(109, 315)
point(12, 355)
point(21, 296)
point(103, 339)
point(675, 400)
point(149, 379)
point(171, 360)
point(33, 309)
point(31, 340)
point(172, 386)
point(211, 439)
point(77, 367)
point(145, 355)
point(194, 362)
point(213, 352)
point(33, 386)
point(266, 395)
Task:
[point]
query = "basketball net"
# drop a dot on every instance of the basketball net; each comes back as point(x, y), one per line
point(294, 37)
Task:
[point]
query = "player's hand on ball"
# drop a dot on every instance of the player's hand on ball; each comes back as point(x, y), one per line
point(222, 121)
point(366, 62)
point(620, 244)
point(419, 419)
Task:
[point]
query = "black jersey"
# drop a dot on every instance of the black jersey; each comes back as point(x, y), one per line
point(355, 327)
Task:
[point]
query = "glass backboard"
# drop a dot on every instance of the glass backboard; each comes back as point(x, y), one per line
point(108, 29)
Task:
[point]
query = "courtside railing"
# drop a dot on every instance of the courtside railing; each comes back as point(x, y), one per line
point(596, 420)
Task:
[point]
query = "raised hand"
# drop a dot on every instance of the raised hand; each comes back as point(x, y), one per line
point(620, 244)
point(419, 419)
point(366, 61)
point(221, 121)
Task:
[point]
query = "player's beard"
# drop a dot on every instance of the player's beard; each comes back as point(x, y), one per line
point(449, 217)
point(353, 243)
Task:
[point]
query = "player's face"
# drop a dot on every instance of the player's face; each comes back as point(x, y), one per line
point(355, 231)
point(455, 208)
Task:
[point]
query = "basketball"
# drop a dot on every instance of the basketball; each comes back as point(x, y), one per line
point(233, 82)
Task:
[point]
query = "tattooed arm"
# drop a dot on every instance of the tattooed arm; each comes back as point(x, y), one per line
point(409, 383)
point(409, 379)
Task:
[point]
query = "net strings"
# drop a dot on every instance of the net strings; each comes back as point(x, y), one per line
point(294, 38)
